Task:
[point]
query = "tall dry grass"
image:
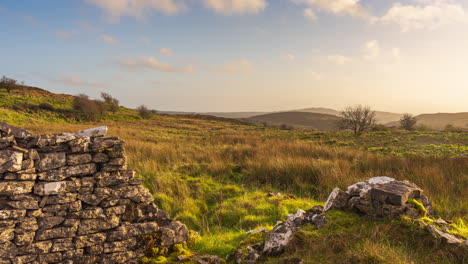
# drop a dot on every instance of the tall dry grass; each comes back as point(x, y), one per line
point(259, 159)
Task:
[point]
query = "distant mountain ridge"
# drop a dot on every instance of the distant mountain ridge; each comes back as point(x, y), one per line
point(440, 120)
point(316, 121)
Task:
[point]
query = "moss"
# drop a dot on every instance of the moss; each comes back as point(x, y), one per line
point(418, 206)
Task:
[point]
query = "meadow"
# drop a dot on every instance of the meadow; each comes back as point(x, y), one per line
point(214, 175)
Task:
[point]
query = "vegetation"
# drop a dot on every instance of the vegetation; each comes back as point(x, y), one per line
point(215, 174)
point(407, 122)
point(357, 119)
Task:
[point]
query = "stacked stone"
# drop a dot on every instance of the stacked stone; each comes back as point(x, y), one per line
point(69, 198)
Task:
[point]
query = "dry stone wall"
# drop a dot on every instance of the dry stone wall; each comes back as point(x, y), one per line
point(69, 198)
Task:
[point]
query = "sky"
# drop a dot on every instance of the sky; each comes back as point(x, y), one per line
point(243, 55)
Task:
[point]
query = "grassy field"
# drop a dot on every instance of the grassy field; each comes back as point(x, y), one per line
point(214, 175)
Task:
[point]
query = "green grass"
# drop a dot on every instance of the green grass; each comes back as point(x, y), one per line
point(214, 175)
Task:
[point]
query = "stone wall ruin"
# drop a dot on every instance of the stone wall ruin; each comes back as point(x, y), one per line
point(69, 198)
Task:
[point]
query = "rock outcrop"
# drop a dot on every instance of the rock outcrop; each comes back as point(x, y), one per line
point(69, 198)
point(380, 196)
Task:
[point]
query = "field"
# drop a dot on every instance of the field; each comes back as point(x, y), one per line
point(214, 175)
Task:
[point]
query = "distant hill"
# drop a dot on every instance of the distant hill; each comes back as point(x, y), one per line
point(438, 121)
point(315, 121)
point(234, 115)
point(380, 116)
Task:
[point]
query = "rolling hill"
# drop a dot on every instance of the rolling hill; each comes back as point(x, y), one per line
point(381, 116)
point(314, 121)
point(439, 121)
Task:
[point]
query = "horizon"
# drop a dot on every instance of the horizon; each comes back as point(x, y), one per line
point(244, 56)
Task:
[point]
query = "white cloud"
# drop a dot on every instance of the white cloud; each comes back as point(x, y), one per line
point(347, 7)
point(76, 81)
point(115, 9)
point(108, 39)
point(316, 76)
point(229, 7)
point(433, 15)
point(241, 66)
point(166, 51)
point(372, 49)
point(66, 35)
point(338, 59)
point(153, 63)
point(396, 53)
point(288, 57)
point(310, 14)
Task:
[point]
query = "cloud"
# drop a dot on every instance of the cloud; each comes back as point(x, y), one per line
point(166, 51)
point(152, 63)
point(310, 14)
point(338, 7)
point(288, 57)
point(241, 66)
point(74, 80)
point(66, 35)
point(229, 7)
point(108, 39)
point(433, 15)
point(372, 49)
point(396, 53)
point(338, 59)
point(115, 9)
point(315, 75)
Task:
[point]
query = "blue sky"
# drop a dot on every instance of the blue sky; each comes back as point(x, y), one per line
point(243, 55)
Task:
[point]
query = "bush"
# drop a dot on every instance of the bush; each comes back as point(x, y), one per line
point(110, 103)
point(46, 106)
point(89, 107)
point(144, 112)
point(407, 122)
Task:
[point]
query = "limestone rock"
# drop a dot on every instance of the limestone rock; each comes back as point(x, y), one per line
point(10, 160)
point(93, 132)
point(16, 132)
point(336, 200)
point(449, 238)
point(49, 161)
point(8, 188)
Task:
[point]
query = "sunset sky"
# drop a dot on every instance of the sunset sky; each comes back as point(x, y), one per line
point(243, 55)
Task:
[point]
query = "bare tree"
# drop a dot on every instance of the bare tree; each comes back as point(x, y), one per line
point(111, 103)
point(408, 121)
point(144, 112)
point(357, 118)
point(8, 83)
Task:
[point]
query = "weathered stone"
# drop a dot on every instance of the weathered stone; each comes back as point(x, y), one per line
point(12, 188)
point(6, 235)
point(93, 132)
point(15, 131)
point(62, 198)
point(12, 214)
point(49, 161)
point(89, 240)
point(23, 239)
point(395, 192)
point(282, 234)
point(8, 250)
point(59, 232)
point(54, 175)
point(83, 169)
point(24, 259)
point(50, 222)
point(100, 158)
point(27, 225)
point(27, 164)
point(449, 238)
point(89, 213)
point(92, 199)
point(25, 204)
point(105, 143)
point(50, 258)
point(10, 160)
point(336, 200)
point(119, 258)
point(62, 244)
point(54, 187)
point(89, 226)
point(36, 248)
point(174, 233)
point(120, 246)
point(21, 176)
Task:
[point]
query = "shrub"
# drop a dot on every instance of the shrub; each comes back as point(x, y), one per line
point(46, 106)
point(90, 108)
point(144, 112)
point(357, 118)
point(408, 121)
point(110, 103)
